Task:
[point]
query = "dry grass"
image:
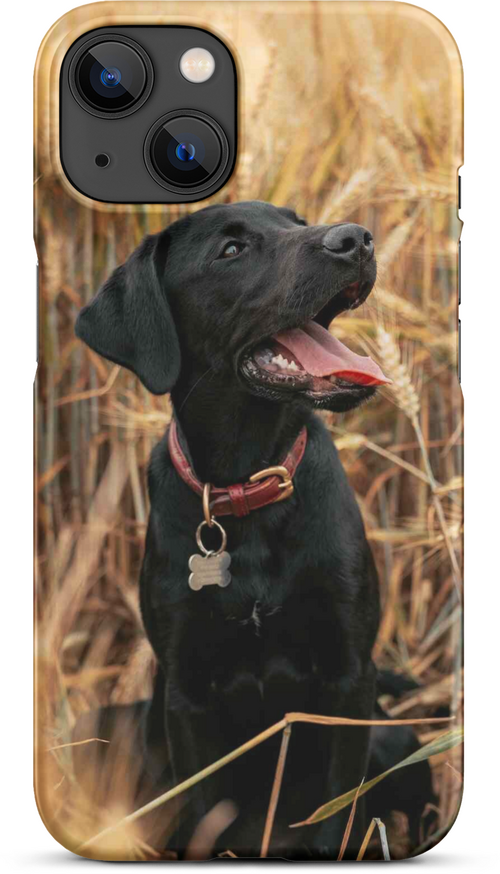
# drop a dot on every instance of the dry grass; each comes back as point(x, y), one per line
point(365, 132)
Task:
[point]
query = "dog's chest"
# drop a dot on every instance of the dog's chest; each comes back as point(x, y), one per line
point(251, 648)
point(254, 619)
point(260, 637)
point(270, 612)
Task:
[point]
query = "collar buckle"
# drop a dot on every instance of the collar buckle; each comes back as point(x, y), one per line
point(279, 470)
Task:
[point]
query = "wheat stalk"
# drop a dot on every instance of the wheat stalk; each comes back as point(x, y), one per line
point(418, 192)
point(396, 240)
point(346, 200)
point(398, 305)
point(398, 132)
point(408, 401)
point(402, 386)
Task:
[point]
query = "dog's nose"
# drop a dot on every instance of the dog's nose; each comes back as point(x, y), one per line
point(349, 242)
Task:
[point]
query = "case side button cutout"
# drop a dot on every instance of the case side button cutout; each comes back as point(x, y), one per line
point(461, 183)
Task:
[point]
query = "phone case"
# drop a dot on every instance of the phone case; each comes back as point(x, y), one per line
point(247, 700)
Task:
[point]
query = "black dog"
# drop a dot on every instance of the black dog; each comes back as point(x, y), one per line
point(226, 309)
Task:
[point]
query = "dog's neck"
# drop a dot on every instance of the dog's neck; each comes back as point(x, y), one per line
point(230, 434)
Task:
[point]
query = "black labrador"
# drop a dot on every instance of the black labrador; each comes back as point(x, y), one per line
point(227, 309)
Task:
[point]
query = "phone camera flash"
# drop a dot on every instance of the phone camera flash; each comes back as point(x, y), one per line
point(197, 65)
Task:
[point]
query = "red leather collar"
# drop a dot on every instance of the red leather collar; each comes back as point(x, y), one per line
point(265, 487)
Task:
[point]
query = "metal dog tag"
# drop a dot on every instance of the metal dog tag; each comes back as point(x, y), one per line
point(209, 570)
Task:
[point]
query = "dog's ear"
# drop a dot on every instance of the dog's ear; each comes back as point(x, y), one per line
point(129, 320)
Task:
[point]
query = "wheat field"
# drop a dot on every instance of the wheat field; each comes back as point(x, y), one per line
point(347, 112)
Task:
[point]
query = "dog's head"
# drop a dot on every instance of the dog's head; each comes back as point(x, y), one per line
point(245, 290)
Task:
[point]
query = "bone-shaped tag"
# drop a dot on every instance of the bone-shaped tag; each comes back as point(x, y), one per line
point(209, 570)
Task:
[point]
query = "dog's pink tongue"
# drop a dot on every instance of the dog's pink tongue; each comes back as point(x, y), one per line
point(321, 354)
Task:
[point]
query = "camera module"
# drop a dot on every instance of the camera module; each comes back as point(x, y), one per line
point(140, 120)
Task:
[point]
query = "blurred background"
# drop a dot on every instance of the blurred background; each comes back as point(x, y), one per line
point(347, 112)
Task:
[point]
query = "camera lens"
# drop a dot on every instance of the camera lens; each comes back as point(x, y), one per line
point(186, 149)
point(111, 76)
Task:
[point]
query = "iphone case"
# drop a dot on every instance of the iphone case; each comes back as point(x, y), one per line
point(347, 113)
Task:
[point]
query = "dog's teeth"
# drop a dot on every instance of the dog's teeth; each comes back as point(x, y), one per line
point(280, 361)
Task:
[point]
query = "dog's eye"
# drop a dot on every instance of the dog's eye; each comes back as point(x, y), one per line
point(232, 250)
